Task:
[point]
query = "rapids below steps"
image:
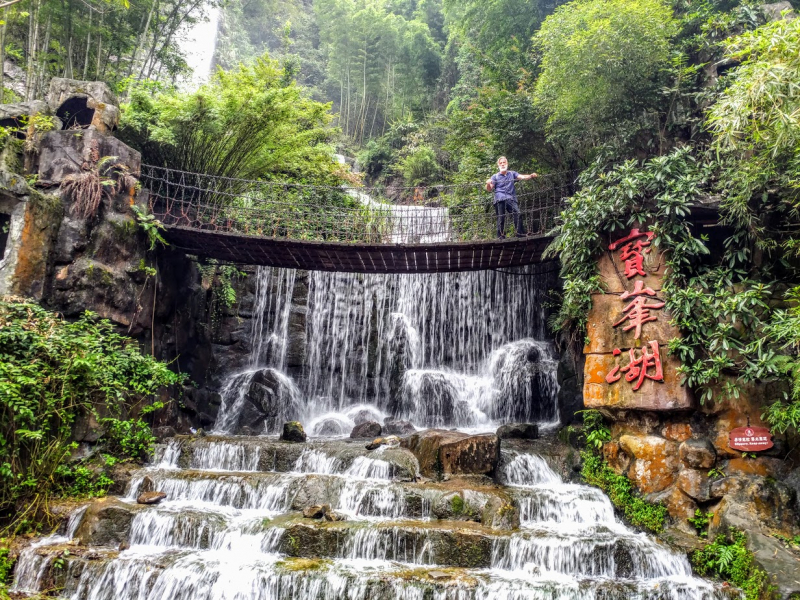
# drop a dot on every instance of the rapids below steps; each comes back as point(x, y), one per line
point(231, 529)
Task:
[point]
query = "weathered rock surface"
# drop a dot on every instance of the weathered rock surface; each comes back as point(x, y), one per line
point(316, 512)
point(84, 103)
point(65, 152)
point(652, 395)
point(270, 402)
point(521, 431)
point(469, 547)
point(695, 484)
point(782, 565)
point(107, 522)
point(442, 453)
point(150, 497)
point(397, 427)
point(293, 432)
point(368, 429)
point(697, 454)
point(655, 463)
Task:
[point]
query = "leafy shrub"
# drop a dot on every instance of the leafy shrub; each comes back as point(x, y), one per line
point(80, 481)
point(248, 123)
point(700, 522)
point(419, 166)
point(728, 558)
point(51, 372)
point(597, 433)
point(619, 488)
point(601, 67)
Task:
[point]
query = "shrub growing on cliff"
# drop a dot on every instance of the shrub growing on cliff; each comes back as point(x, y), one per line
point(728, 558)
point(619, 488)
point(51, 372)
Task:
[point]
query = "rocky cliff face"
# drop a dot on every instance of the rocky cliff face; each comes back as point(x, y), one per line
point(675, 449)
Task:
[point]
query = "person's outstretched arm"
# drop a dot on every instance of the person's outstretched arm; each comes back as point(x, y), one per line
point(489, 185)
point(531, 176)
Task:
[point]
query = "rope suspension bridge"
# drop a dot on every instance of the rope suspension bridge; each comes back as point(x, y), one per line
point(451, 228)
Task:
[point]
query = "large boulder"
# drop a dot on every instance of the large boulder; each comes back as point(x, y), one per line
point(293, 432)
point(107, 522)
point(150, 497)
point(734, 512)
point(443, 453)
point(271, 400)
point(397, 427)
point(429, 397)
point(655, 461)
point(368, 429)
point(84, 104)
point(65, 152)
point(697, 454)
point(520, 431)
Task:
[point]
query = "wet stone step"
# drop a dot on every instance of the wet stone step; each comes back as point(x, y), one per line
point(345, 457)
point(217, 576)
point(276, 493)
point(439, 543)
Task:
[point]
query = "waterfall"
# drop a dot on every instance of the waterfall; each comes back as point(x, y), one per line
point(230, 529)
point(460, 350)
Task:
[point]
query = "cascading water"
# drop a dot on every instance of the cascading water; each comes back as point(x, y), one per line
point(226, 534)
point(445, 350)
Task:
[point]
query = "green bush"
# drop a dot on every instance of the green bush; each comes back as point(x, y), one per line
point(728, 558)
point(51, 372)
point(619, 488)
point(420, 166)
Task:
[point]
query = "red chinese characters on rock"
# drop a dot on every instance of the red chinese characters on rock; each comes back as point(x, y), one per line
point(633, 250)
point(647, 365)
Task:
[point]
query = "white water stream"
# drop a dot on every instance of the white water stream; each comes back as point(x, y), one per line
point(220, 536)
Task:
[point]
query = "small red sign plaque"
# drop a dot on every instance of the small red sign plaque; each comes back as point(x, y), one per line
point(750, 439)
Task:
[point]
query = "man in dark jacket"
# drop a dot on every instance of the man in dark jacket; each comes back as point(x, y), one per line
point(505, 197)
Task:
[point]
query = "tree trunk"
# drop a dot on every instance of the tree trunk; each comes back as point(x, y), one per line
point(3, 57)
point(99, 45)
point(140, 41)
point(88, 45)
point(45, 46)
point(33, 28)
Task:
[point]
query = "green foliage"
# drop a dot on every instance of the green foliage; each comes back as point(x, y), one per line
point(382, 61)
point(6, 569)
point(728, 558)
point(247, 123)
point(700, 522)
point(755, 124)
point(610, 201)
point(597, 432)
point(151, 227)
point(81, 481)
point(602, 67)
point(419, 166)
point(619, 488)
point(51, 372)
point(132, 438)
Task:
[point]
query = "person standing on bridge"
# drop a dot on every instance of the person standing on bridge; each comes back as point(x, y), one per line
point(505, 197)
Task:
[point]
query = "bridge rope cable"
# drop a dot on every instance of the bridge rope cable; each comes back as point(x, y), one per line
point(459, 212)
point(544, 176)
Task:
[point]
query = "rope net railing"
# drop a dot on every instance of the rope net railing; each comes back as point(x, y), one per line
point(365, 215)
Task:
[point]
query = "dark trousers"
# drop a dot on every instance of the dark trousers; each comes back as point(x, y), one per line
point(502, 207)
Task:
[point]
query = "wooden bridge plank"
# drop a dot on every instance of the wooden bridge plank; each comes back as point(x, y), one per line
point(358, 258)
